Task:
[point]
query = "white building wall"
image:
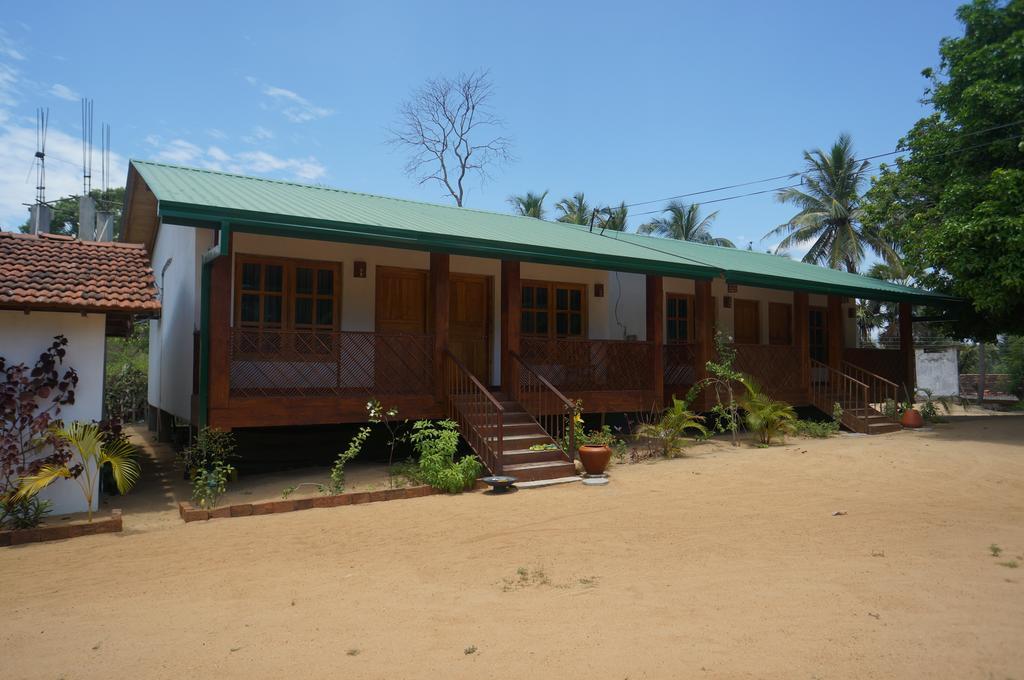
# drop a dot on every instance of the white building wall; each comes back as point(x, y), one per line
point(23, 337)
point(176, 265)
point(938, 370)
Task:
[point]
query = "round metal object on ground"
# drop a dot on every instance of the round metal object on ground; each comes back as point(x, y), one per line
point(500, 483)
point(595, 480)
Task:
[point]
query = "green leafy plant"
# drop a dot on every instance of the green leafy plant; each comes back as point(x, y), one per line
point(725, 414)
point(669, 432)
point(94, 451)
point(23, 513)
point(206, 461)
point(604, 437)
point(930, 405)
point(436, 445)
point(768, 418)
point(355, 446)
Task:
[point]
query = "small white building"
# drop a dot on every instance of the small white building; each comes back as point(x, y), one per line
point(53, 286)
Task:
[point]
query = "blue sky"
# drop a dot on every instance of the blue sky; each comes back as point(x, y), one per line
point(631, 102)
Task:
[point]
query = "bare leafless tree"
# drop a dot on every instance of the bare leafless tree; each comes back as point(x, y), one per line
point(451, 132)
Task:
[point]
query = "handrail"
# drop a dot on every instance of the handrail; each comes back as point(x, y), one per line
point(553, 411)
point(881, 389)
point(850, 393)
point(480, 417)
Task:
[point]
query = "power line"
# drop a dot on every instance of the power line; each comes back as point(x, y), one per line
point(798, 173)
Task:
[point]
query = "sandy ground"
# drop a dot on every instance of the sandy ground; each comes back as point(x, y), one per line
point(726, 564)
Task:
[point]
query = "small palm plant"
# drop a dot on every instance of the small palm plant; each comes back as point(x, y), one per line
point(95, 452)
point(768, 417)
point(670, 432)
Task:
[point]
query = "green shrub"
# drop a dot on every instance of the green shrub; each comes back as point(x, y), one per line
point(337, 483)
point(818, 429)
point(769, 418)
point(669, 433)
point(436, 445)
point(207, 463)
point(24, 512)
point(209, 484)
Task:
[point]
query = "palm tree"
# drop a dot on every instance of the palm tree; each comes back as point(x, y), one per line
point(830, 210)
point(94, 451)
point(574, 210)
point(614, 219)
point(685, 224)
point(530, 205)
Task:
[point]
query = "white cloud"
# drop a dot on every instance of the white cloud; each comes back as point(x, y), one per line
point(8, 85)
point(216, 133)
point(183, 152)
point(7, 48)
point(64, 92)
point(179, 151)
point(258, 134)
point(292, 105)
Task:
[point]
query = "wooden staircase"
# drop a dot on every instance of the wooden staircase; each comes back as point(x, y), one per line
point(500, 430)
point(860, 397)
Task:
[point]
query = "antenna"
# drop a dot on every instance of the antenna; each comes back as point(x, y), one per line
point(105, 156)
point(42, 123)
point(87, 106)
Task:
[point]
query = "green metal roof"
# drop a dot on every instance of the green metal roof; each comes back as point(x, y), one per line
point(205, 198)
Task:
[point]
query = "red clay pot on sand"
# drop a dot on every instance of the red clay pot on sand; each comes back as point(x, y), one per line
point(912, 418)
point(595, 458)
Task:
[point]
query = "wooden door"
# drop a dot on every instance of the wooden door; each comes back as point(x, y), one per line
point(817, 341)
point(402, 349)
point(469, 323)
point(747, 322)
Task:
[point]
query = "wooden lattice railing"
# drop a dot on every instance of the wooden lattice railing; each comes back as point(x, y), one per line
point(553, 410)
point(880, 390)
point(480, 417)
point(889, 364)
point(276, 363)
point(678, 360)
point(591, 365)
point(830, 386)
point(775, 367)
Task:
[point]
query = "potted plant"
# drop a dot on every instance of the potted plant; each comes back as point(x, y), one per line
point(910, 417)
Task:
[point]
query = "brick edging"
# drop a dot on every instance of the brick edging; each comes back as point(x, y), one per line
point(189, 513)
point(59, 532)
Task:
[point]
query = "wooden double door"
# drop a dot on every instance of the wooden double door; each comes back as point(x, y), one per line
point(404, 305)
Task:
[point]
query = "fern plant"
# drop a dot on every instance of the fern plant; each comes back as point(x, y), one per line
point(94, 452)
point(669, 433)
point(768, 418)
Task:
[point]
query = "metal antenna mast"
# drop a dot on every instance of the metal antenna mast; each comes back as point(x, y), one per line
point(42, 122)
point(87, 106)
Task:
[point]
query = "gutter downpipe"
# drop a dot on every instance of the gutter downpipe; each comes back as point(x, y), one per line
point(214, 253)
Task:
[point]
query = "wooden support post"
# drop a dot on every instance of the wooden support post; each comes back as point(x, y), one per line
point(511, 305)
point(801, 339)
point(220, 332)
point(703, 334)
point(440, 276)
point(835, 332)
point(656, 335)
point(907, 353)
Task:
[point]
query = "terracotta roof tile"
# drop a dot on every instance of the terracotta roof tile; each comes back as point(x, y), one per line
point(48, 271)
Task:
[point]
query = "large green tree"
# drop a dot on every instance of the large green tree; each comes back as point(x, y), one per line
point(65, 211)
point(955, 204)
point(830, 215)
point(685, 223)
point(529, 204)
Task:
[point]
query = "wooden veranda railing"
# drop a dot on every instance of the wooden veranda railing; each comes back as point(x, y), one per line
point(880, 389)
point(775, 367)
point(480, 417)
point(289, 363)
point(830, 387)
point(678, 363)
point(550, 408)
point(574, 365)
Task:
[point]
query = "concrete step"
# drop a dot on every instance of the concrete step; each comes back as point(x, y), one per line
point(516, 456)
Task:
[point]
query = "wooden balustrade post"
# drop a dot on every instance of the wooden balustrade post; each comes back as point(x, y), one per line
point(440, 274)
point(511, 305)
point(907, 353)
point(656, 335)
point(703, 334)
point(835, 332)
point(801, 338)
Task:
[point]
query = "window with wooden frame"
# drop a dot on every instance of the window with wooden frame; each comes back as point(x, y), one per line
point(274, 294)
point(817, 331)
point(679, 318)
point(746, 322)
point(553, 309)
point(780, 323)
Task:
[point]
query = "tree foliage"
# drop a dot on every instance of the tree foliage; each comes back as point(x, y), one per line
point(529, 204)
point(574, 210)
point(685, 223)
point(830, 214)
point(955, 204)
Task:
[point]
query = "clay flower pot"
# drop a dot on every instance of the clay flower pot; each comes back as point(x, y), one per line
point(912, 418)
point(595, 458)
